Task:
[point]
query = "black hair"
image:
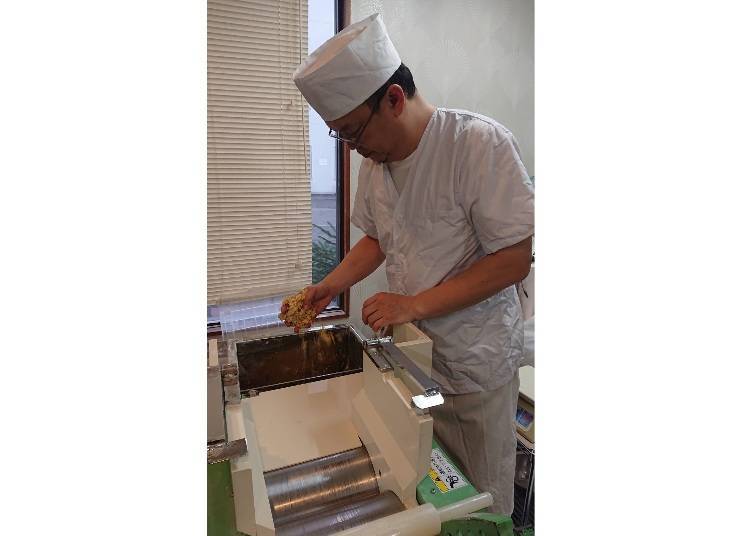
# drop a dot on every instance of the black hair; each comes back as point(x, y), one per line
point(403, 78)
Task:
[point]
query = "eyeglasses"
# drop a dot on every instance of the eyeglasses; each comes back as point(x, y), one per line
point(356, 136)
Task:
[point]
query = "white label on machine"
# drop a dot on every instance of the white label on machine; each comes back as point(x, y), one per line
point(443, 474)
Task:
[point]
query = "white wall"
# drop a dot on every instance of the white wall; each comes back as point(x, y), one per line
point(471, 54)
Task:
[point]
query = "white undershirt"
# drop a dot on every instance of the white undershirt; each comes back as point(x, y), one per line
point(400, 171)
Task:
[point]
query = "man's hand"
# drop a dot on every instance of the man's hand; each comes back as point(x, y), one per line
point(317, 298)
point(387, 309)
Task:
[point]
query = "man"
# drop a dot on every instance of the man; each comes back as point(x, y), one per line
point(445, 200)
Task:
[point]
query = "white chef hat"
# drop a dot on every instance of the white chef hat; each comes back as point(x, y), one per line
point(345, 70)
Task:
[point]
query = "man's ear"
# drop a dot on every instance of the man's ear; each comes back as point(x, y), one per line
point(396, 98)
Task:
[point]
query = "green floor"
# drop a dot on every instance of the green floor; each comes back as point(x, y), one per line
point(220, 503)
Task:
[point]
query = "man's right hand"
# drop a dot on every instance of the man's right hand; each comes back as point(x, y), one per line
point(317, 298)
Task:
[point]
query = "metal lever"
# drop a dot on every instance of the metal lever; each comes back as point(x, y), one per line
point(388, 356)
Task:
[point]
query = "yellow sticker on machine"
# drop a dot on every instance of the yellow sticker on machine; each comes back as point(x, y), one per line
point(443, 474)
point(436, 479)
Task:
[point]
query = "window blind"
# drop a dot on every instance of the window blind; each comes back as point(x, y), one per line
point(259, 214)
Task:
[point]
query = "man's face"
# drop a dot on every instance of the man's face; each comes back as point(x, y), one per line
point(366, 131)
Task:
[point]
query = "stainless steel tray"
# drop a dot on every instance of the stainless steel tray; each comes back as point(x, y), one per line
point(286, 360)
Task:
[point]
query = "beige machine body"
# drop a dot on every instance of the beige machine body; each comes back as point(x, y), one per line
point(373, 408)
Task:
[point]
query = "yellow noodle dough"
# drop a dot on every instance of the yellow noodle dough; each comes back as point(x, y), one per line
point(296, 314)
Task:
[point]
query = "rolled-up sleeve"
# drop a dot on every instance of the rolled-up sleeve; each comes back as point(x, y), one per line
point(495, 190)
point(362, 214)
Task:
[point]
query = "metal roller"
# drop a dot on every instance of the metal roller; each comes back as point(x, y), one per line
point(344, 516)
point(327, 494)
point(297, 490)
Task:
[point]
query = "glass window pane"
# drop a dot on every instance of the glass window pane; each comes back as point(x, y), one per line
point(323, 160)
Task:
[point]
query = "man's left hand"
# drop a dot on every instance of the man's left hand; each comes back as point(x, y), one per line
point(388, 309)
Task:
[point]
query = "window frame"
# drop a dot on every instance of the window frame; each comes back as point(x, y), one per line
point(342, 16)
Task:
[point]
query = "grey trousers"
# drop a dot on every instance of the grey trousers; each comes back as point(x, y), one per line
point(479, 432)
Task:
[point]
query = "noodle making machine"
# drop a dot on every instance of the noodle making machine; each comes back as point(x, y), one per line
point(328, 432)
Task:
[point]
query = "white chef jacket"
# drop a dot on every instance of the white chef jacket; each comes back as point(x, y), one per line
point(467, 195)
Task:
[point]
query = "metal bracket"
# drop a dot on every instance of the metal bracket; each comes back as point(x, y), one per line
point(230, 380)
point(229, 374)
point(372, 347)
point(377, 341)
